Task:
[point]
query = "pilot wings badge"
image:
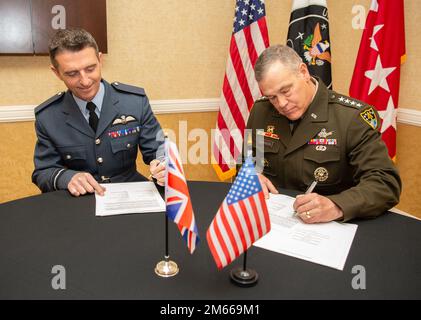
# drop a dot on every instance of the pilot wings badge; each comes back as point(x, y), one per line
point(123, 120)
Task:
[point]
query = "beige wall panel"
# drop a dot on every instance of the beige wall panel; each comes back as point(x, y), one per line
point(27, 80)
point(410, 94)
point(16, 160)
point(183, 125)
point(174, 48)
point(409, 164)
point(277, 19)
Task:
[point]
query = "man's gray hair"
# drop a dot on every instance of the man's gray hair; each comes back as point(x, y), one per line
point(70, 40)
point(284, 54)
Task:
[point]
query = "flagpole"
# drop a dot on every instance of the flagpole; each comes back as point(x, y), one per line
point(244, 277)
point(166, 237)
point(166, 268)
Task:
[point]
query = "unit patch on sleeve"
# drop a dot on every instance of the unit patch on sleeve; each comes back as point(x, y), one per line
point(369, 116)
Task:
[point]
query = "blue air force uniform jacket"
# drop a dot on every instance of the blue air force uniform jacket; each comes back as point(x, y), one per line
point(67, 144)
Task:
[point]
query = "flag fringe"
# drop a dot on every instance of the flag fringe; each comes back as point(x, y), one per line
point(224, 175)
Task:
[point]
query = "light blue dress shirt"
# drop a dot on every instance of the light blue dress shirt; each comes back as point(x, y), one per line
point(99, 97)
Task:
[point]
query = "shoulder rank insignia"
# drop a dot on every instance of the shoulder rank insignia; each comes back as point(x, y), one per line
point(50, 101)
point(369, 116)
point(346, 101)
point(128, 88)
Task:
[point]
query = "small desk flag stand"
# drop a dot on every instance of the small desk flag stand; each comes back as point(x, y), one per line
point(166, 268)
point(179, 207)
point(244, 277)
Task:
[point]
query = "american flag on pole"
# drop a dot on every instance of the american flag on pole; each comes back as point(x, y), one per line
point(241, 220)
point(377, 69)
point(240, 90)
point(177, 197)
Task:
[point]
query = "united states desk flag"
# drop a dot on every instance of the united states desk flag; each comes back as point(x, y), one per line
point(377, 68)
point(241, 220)
point(308, 35)
point(177, 197)
point(240, 90)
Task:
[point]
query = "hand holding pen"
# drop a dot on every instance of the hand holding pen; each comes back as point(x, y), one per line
point(309, 190)
point(157, 171)
point(314, 208)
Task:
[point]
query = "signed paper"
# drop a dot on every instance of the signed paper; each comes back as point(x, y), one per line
point(323, 243)
point(129, 197)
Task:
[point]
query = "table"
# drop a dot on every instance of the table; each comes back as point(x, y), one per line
point(114, 257)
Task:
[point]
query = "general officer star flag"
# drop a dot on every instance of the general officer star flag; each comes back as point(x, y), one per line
point(377, 69)
point(308, 35)
point(241, 220)
point(177, 197)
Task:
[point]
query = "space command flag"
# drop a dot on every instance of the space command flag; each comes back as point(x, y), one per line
point(308, 35)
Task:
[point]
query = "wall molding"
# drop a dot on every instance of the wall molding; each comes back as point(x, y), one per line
point(19, 113)
point(409, 116)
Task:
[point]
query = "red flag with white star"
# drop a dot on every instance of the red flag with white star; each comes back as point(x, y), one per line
point(377, 68)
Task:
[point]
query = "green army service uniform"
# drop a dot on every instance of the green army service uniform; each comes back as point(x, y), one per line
point(337, 142)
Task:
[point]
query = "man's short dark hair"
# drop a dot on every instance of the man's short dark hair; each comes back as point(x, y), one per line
point(70, 40)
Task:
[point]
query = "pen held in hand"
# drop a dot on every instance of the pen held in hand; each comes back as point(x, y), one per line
point(151, 176)
point(309, 190)
point(311, 187)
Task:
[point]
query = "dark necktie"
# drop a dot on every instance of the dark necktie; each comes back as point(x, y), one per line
point(293, 125)
point(93, 118)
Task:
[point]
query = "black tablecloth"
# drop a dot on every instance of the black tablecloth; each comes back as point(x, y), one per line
point(114, 257)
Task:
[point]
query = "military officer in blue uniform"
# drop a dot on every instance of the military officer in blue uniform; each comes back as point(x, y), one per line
point(311, 134)
point(91, 133)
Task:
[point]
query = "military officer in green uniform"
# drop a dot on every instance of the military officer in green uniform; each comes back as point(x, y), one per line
point(311, 134)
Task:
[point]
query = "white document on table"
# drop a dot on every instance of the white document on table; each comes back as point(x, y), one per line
point(323, 243)
point(129, 197)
